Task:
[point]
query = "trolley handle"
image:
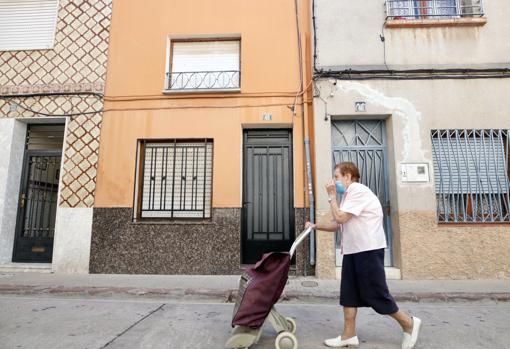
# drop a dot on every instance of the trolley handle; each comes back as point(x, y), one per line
point(298, 240)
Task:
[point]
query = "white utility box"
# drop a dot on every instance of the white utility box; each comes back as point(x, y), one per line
point(415, 172)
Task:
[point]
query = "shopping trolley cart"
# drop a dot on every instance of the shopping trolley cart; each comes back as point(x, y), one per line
point(260, 287)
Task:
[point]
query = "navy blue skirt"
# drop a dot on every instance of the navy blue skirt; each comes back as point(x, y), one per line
point(363, 282)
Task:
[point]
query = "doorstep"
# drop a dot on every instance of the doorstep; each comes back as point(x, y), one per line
point(25, 267)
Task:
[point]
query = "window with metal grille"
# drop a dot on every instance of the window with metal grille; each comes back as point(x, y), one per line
point(27, 24)
point(203, 65)
point(422, 9)
point(175, 179)
point(472, 175)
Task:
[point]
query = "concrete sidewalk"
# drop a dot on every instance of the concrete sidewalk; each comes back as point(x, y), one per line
point(224, 287)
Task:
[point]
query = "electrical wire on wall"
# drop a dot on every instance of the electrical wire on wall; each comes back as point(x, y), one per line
point(290, 104)
point(19, 101)
point(383, 40)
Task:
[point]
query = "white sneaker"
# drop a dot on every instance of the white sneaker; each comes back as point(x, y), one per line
point(339, 343)
point(409, 340)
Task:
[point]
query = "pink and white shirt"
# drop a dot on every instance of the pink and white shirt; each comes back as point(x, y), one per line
point(364, 231)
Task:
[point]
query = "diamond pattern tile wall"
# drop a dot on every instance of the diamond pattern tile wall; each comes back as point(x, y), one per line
point(77, 63)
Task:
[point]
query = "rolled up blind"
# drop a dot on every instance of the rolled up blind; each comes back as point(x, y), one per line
point(27, 24)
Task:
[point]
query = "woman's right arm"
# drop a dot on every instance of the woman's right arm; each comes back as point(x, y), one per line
point(324, 227)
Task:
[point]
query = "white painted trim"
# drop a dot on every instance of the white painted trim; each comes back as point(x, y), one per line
point(25, 268)
point(167, 63)
point(12, 140)
point(71, 248)
point(134, 217)
point(200, 90)
point(63, 158)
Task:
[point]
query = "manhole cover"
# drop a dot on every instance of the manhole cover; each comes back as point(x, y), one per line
point(309, 284)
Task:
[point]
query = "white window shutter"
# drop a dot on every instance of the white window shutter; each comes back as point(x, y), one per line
point(27, 24)
point(205, 56)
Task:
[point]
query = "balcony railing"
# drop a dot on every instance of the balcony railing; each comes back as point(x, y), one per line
point(203, 80)
point(431, 9)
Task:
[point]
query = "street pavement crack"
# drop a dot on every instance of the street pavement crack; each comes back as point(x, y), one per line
point(133, 325)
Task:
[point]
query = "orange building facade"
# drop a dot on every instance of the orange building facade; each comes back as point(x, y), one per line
point(202, 160)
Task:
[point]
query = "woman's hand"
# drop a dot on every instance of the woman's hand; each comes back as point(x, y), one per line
point(331, 188)
point(308, 225)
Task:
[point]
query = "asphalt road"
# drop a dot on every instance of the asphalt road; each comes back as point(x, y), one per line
point(34, 322)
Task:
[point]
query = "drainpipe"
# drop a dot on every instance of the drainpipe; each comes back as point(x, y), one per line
point(311, 198)
point(305, 137)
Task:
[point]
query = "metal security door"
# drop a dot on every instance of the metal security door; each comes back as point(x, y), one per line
point(39, 195)
point(268, 202)
point(363, 142)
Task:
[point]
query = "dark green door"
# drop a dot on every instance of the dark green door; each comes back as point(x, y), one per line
point(268, 202)
point(39, 194)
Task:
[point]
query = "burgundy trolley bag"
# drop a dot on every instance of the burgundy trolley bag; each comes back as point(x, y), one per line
point(260, 288)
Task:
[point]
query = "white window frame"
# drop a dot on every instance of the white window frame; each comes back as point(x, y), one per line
point(198, 204)
point(168, 63)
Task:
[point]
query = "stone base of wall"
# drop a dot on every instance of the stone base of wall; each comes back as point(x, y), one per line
point(432, 251)
point(120, 246)
point(303, 266)
point(325, 267)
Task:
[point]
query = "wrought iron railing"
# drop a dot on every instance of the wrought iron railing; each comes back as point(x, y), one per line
point(472, 175)
point(423, 9)
point(204, 80)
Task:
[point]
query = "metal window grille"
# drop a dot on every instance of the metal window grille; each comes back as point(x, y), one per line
point(472, 175)
point(204, 80)
point(176, 179)
point(422, 9)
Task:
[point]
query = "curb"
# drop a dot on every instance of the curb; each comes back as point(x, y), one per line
point(229, 295)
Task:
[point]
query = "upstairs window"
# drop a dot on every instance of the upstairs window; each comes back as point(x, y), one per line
point(433, 9)
point(204, 65)
point(27, 24)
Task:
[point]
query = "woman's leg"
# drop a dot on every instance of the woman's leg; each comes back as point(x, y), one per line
point(349, 322)
point(404, 320)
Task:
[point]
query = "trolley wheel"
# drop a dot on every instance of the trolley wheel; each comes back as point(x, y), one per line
point(286, 340)
point(292, 324)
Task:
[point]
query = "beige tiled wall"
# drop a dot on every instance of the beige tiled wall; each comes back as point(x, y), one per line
point(76, 64)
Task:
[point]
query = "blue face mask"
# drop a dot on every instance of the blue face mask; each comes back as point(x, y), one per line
point(340, 189)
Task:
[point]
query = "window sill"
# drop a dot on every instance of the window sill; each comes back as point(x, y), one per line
point(206, 90)
point(174, 222)
point(431, 23)
point(474, 224)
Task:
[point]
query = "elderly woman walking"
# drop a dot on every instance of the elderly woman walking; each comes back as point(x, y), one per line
point(360, 220)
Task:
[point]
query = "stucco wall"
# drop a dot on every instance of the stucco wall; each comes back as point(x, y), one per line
point(348, 36)
point(423, 248)
point(136, 107)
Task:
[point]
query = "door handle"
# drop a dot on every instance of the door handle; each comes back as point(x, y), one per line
point(22, 200)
